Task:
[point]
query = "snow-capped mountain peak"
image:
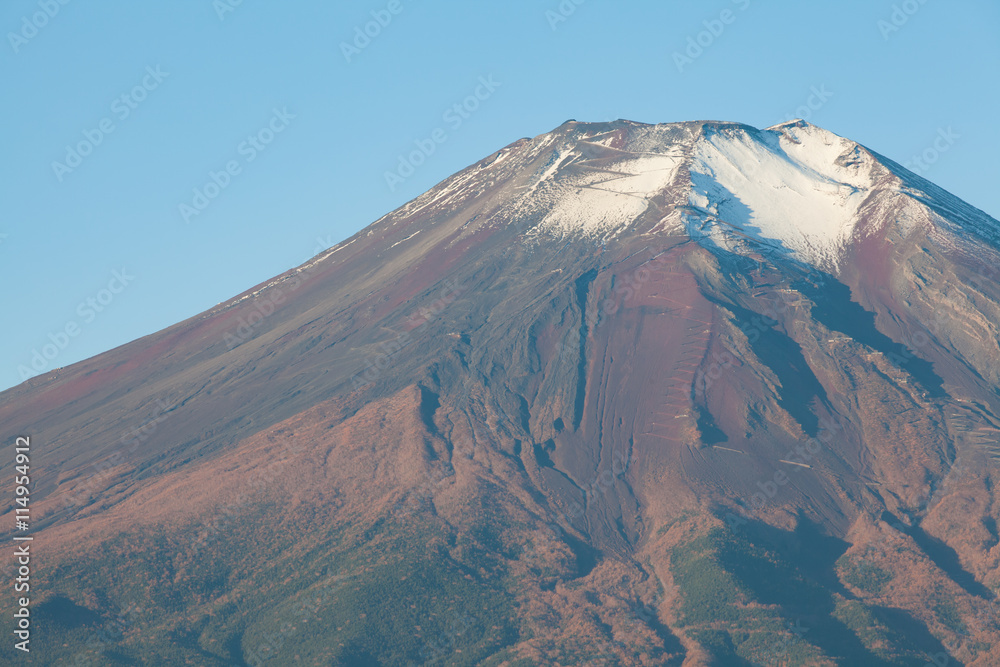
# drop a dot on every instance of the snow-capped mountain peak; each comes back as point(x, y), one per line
point(793, 190)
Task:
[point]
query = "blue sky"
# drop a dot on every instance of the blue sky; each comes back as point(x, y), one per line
point(299, 131)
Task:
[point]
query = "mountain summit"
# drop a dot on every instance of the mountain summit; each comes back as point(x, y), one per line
point(798, 189)
point(682, 394)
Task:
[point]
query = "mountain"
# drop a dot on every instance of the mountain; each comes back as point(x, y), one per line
point(625, 394)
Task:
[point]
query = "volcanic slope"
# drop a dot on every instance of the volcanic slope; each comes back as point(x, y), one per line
point(625, 394)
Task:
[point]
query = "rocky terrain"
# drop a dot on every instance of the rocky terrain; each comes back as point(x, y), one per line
point(620, 394)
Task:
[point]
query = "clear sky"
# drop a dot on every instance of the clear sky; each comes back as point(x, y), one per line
point(115, 112)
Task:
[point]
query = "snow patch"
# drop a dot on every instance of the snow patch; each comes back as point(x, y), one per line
point(602, 201)
point(790, 190)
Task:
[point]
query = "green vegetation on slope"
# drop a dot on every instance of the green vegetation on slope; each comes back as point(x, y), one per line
point(744, 602)
point(308, 594)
